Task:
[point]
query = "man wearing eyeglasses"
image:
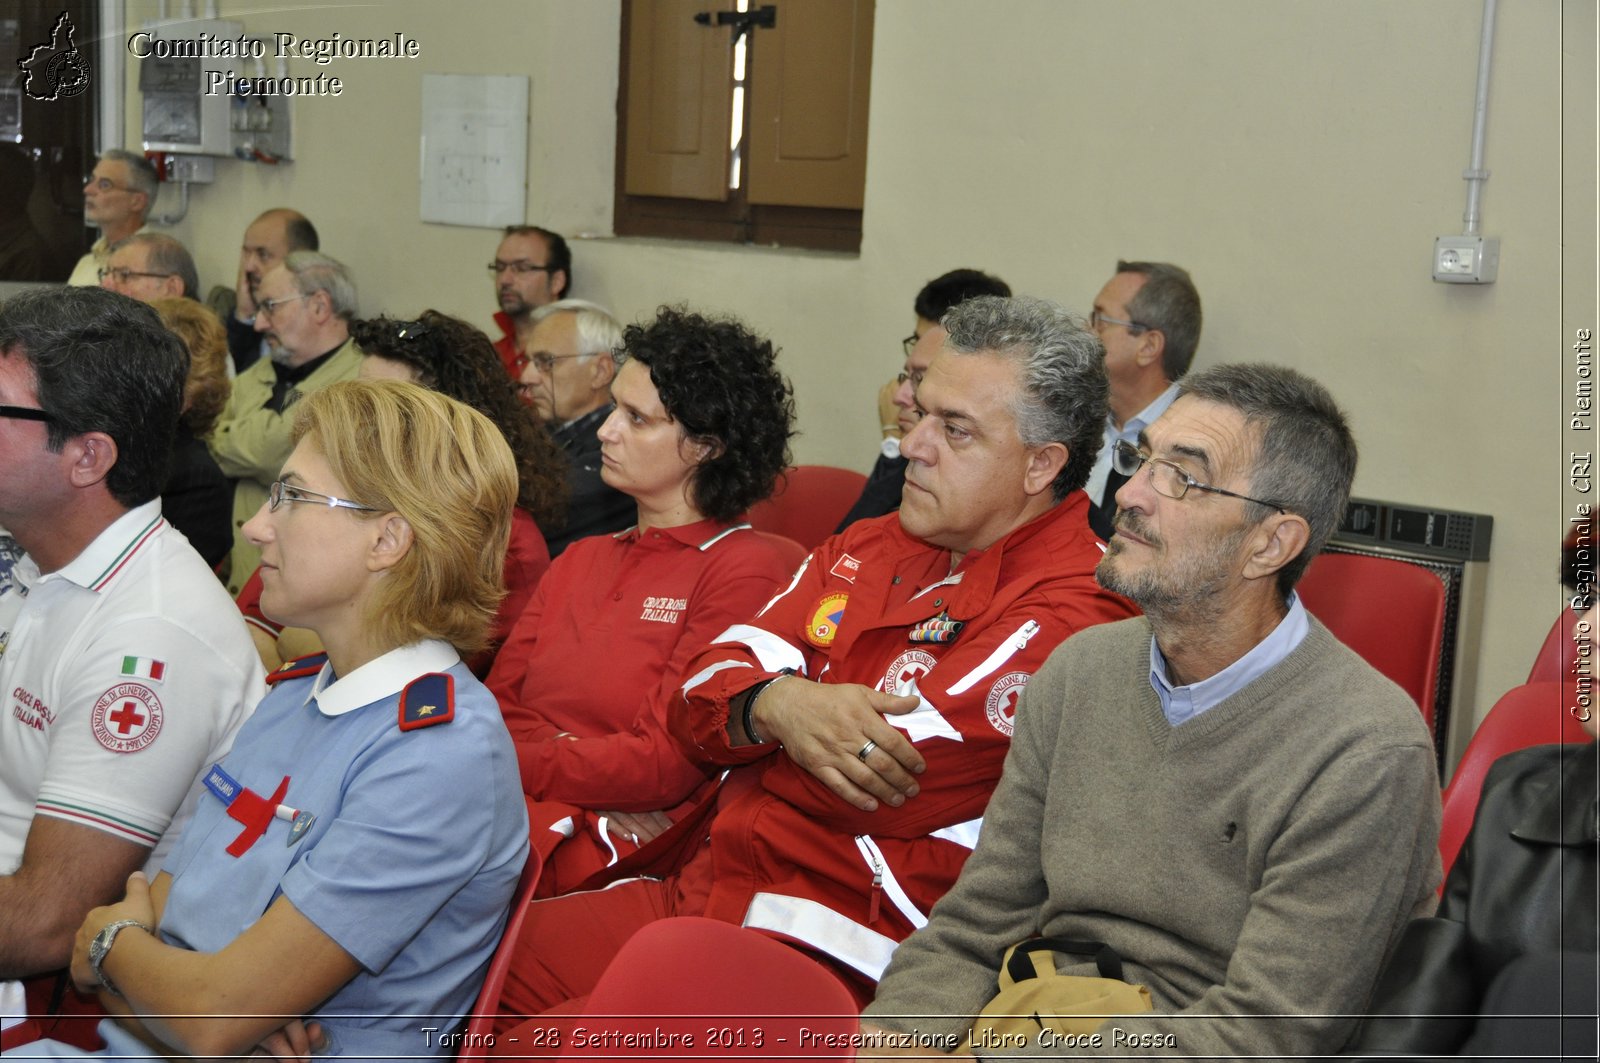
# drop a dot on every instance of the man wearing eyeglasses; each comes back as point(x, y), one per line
point(304, 307)
point(124, 666)
point(1148, 318)
point(149, 266)
point(117, 198)
point(532, 267)
point(1238, 806)
point(564, 371)
point(881, 493)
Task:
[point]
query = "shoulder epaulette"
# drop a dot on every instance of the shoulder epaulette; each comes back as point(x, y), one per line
point(427, 700)
point(298, 668)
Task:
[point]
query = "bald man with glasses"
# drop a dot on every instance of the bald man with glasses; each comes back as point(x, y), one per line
point(1148, 319)
point(117, 198)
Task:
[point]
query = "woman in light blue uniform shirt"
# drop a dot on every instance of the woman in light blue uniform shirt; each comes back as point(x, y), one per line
point(344, 882)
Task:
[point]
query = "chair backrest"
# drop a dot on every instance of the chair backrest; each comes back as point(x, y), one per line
point(1557, 657)
point(739, 993)
point(1534, 714)
point(791, 552)
point(478, 1039)
point(809, 503)
point(1388, 611)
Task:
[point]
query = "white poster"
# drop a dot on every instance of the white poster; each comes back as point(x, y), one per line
point(474, 149)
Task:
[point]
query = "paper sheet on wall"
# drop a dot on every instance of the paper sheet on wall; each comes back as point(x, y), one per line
point(474, 149)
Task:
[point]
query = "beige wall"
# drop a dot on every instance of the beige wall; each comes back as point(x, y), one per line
point(1298, 157)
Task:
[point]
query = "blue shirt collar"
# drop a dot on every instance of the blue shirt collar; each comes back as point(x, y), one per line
point(1180, 704)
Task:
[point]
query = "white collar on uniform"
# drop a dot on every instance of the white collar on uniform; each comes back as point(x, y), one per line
point(119, 540)
point(380, 678)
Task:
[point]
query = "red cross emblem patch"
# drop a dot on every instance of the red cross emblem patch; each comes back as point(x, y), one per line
point(126, 718)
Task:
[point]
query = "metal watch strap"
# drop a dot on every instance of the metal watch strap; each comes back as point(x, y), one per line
point(109, 933)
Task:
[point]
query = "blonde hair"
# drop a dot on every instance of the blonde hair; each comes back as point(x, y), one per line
point(205, 390)
point(447, 470)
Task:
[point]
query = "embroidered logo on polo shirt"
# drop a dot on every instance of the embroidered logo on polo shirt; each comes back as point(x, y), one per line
point(1001, 705)
point(905, 670)
point(30, 710)
point(664, 610)
point(126, 718)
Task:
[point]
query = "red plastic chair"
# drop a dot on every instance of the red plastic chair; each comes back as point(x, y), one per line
point(791, 552)
point(478, 1039)
point(1388, 611)
point(1557, 657)
point(1534, 714)
point(809, 504)
point(738, 993)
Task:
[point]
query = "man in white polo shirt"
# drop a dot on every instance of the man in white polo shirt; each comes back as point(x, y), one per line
point(124, 667)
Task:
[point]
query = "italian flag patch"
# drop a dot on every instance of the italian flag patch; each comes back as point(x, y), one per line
point(144, 668)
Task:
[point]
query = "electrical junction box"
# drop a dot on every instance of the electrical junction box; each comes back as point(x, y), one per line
point(1466, 259)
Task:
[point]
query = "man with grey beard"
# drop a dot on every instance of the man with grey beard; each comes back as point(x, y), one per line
point(303, 311)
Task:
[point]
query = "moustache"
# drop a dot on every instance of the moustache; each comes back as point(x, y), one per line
point(1127, 521)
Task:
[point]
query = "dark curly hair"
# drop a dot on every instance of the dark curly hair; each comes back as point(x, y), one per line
point(456, 359)
point(720, 381)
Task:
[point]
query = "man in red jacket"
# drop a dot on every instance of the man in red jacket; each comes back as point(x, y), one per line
point(872, 699)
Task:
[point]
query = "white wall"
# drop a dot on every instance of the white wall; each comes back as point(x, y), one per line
point(1298, 157)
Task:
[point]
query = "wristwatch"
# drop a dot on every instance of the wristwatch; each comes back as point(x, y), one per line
point(100, 947)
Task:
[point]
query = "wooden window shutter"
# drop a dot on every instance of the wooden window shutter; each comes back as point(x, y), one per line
point(679, 95)
point(810, 81)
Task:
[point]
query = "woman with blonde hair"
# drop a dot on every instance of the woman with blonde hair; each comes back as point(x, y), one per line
point(350, 868)
point(197, 498)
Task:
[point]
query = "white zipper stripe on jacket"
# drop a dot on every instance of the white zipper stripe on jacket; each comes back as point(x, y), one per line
point(1002, 653)
point(891, 886)
point(776, 598)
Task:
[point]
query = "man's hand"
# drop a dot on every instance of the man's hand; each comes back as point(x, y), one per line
point(296, 1041)
point(640, 827)
point(888, 412)
point(244, 299)
point(136, 906)
point(824, 727)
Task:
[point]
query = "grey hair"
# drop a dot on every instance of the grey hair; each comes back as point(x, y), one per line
point(598, 331)
point(315, 272)
point(1169, 303)
point(141, 174)
point(1306, 456)
point(165, 254)
point(1064, 391)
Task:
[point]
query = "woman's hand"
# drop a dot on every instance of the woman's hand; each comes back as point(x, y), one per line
point(297, 1041)
point(641, 827)
point(136, 906)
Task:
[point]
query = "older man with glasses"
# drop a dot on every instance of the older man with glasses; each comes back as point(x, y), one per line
point(150, 266)
point(117, 198)
point(564, 371)
point(1218, 794)
point(303, 309)
point(1148, 318)
point(532, 267)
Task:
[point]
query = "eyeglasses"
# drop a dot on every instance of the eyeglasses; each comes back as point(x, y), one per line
point(1168, 478)
point(909, 342)
point(1097, 321)
point(543, 362)
point(519, 267)
point(270, 306)
point(913, 375)
point(104, 184)
point(121, 275)
point(27, 413)
point(410, 330)
point(280, 492)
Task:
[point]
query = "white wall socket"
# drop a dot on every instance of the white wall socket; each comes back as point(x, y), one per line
point(1466, 259)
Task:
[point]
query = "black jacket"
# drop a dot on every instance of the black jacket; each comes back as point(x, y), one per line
point(1524, 882)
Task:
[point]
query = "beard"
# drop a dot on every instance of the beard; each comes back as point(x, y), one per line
point(279, 354)
point(1168, 583)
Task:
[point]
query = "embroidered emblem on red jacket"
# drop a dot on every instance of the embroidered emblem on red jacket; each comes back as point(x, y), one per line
point(825, 618)
point(1001, 705)
point(905, 670)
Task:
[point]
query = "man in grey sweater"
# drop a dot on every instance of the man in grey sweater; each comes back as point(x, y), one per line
point(1221, 791)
